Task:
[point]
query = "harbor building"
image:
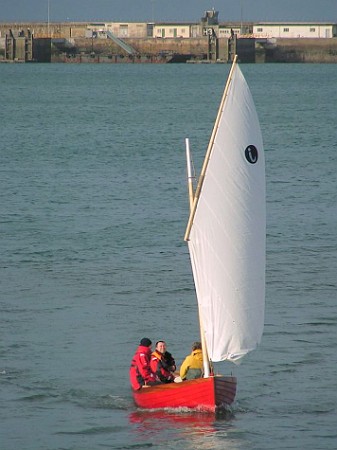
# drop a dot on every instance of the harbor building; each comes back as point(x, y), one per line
point(295, 30)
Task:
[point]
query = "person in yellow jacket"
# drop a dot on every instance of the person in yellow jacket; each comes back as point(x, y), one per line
point(192, 367)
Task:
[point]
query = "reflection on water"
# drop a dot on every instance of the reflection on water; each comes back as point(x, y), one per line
point(198, 430)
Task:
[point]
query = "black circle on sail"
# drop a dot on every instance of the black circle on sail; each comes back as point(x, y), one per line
point(251, 154)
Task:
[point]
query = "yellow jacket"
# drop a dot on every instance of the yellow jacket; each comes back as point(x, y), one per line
point(193, 364)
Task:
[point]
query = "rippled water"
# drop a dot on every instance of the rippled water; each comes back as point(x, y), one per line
point(93, 211)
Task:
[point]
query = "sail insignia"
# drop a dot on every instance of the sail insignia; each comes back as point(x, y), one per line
point(251, 154)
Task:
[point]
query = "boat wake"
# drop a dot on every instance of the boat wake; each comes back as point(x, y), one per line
point(226, 412)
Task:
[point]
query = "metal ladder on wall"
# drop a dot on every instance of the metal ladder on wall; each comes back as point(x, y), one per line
point(130, 50)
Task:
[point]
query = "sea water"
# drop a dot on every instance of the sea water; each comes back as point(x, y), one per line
point(93, 212)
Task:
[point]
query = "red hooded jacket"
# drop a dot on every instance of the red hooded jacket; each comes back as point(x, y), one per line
point(140, 370)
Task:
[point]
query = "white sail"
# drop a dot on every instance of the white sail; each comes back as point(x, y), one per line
point(227, 228)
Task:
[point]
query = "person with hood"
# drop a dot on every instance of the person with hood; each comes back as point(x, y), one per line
point(140, 369)
point(192, 367)
point(162, 363)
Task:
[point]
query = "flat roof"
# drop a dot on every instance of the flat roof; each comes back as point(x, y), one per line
point(294, 23)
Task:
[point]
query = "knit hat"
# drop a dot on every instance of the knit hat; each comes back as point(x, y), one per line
point(145, 342)
point(196, 346)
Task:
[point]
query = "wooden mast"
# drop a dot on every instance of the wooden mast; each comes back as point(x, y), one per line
point(189, 173)
point(206, 362)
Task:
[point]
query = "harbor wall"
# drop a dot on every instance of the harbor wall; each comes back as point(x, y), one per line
point(249, 50)
point(66, 42)
point(145, 50)
point(297, 50)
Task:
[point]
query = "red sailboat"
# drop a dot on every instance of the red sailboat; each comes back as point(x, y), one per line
point(226, 241)
point(204, 394)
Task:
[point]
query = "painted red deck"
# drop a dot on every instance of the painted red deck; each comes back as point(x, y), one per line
point(208, 394)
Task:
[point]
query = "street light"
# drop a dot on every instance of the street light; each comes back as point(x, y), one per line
point(48, 9)
point(241, 16)
point(152, 5)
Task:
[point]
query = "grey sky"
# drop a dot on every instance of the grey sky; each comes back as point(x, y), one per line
point(167, 10)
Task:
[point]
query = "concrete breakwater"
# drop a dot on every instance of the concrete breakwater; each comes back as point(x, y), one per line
point(297, 50)
point(68, 43)
point(144, 50)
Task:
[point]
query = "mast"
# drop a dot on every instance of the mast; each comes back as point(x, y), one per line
point(190, 177)
point(189, 173)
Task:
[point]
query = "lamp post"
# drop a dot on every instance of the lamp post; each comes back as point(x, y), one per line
point(48, 10)
point(241, 16)
point(152, 9)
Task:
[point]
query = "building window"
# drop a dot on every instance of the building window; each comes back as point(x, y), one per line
point(312, 30)
point(149, 30)
point(259, 30)
point(286, 30)
point(123, 30)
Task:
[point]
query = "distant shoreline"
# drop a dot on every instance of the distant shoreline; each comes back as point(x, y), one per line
point(71, 43)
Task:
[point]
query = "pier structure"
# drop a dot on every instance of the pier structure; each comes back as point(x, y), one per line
point(205, 41)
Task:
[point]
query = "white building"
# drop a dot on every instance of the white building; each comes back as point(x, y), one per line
point(172, 30)
point(227, 30)
point(223, 30)
point(294, 30)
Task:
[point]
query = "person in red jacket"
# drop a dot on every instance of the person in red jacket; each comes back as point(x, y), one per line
point(140, 370)
point(162, 363)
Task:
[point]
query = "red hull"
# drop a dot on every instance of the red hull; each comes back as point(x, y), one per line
point(206, 394)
